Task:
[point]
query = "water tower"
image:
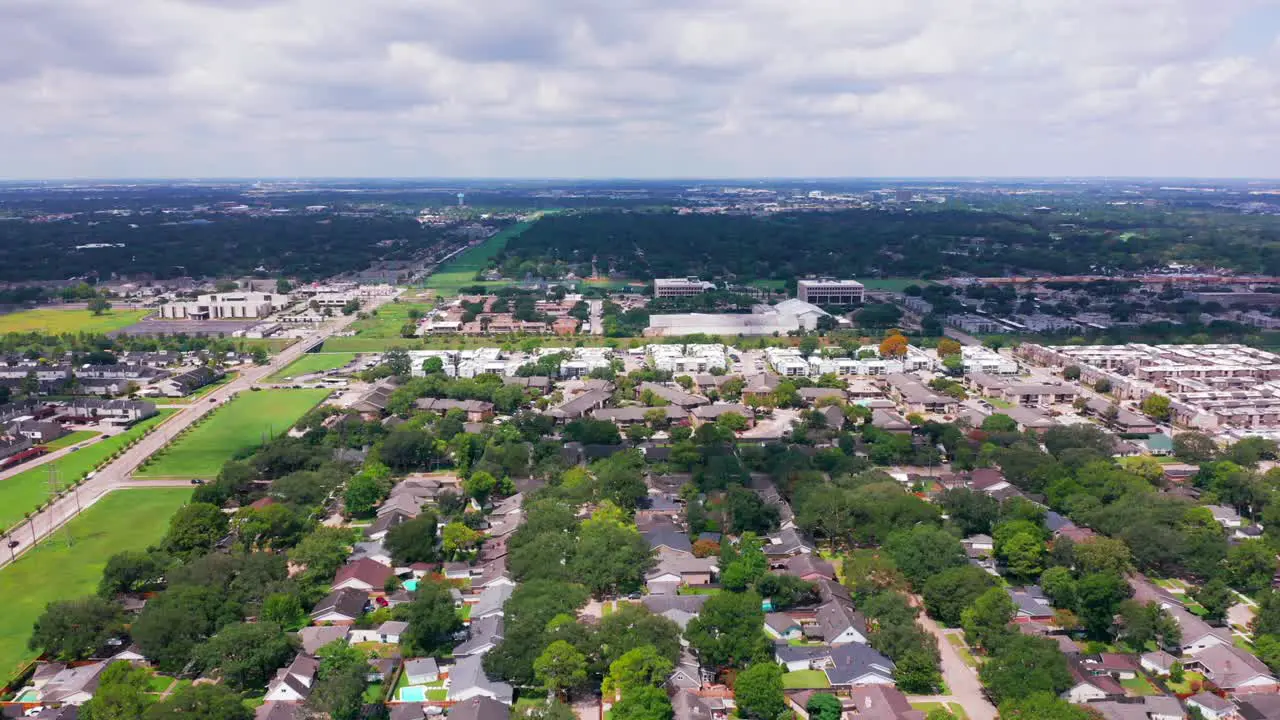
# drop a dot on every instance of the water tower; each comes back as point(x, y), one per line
point(462, 199)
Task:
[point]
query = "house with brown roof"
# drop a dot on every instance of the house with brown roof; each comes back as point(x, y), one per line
point(365, 574)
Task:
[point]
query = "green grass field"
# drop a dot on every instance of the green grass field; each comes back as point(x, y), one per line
point(461, 270)
point(955, 708)
point(312, 363)
point(25, 491)
point(805, 680)
point(74, 438)
point(123, 520)
point(375, 334)
point(241, 424)
point(56, 322)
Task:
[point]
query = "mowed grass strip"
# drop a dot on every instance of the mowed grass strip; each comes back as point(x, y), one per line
point(25, 491)
point(375, 333)
point(241, 424)
point(73, 438)
point(56, 322)
point(123, 520)
point(314, 363)
point(460, 271)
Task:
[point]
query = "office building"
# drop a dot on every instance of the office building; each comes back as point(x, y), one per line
point(680, 287)
point(827, 291)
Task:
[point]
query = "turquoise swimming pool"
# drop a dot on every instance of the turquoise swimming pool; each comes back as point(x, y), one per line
point(411, 585)
point(413, 693)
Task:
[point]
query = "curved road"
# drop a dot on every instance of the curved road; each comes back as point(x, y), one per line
point(118, 474)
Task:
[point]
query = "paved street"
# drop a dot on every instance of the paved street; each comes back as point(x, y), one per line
point(597, 316)
point(119, 473)
point(960, 678)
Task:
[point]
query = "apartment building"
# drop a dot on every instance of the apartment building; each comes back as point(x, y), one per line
point(680, 287)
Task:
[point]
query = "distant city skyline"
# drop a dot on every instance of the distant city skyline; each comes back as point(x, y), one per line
point(636, 89)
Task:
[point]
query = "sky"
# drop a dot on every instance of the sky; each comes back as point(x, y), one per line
point(639, 88)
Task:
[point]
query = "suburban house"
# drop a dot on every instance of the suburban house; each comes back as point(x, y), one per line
point(364, 574)
point(1087, 687)
point(840, 624)
point(480, 708)
point(421, 671)
point(1232, 669)
point(781, 626)
point(467, 680)
point(1212, 707)
point(341, 607)
point(294, 683)
point(482, 636)
point(1031, 604)
point(317, 636)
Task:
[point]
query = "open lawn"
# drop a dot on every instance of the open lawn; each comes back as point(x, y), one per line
point(892, 284)
point(74, 438)
point(1139, 686)
point(241, 424)
point(25, 491)
point(56, 322)
point(377, 332)
point(805, 680)
point(956, 708)
point(460, 271)
point(53, 570)
point(313, 363)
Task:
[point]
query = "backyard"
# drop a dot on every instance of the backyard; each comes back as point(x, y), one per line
point(25, 491)
point(57, 322)
point(805, 680)
point(241, 424)
point(53, 570)
point(313, 362)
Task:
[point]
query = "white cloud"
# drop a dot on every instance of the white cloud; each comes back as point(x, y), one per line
point(634, 87)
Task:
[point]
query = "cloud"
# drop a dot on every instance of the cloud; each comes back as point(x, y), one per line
point(638, 87)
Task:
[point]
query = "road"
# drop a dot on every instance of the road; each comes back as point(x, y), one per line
point(597, 316)
point(119, 474)
point(960, 678)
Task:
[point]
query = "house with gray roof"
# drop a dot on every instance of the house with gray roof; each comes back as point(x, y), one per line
point(841, 624)
point(468, 680)
point(480, 708)
point(491, 601)
point(482, 636)
point(667, 535)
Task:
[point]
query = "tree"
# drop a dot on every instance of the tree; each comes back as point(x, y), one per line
point(131, 572)
point(971, 512)
point(397, 361)
point(1102, 555)
point(640, 667)
point(121, 694)
point(323, 551)
point(1145, 467)
point(413, 540)
point(758, 691)
point(1194, 447)
point(950, 592)
point(246, 655)
point(999, 422)
point(646, 703)
point(285, 610)
point(1043, 706)
point(479, 486)
point(1025, 666)
point(1216, 598)
point(432, 619)
point(560, 667)
point(987, 621)
point(1250, 566)
point(274, 527)
point(727, 631)
point(610, 557)
point(1099, 597)
point(194, 530)
point(893, 346)
point(74, 629)
point(205, 701)
point(947, 347)
point(1156, 407)
point(824, 706)
point(363, 492)
point(1024, 555)
point(1059, 586)
point(1071, 372)
point(924, 551)
point(633, 626)
point(1102, 385)
point(99, 305)
point(621, 477)
point(732, 422)
point(745, 511)
point(459, 539)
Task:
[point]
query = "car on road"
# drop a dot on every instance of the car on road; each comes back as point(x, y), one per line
point(13, 544)
point(197, 481)
point(213, 400)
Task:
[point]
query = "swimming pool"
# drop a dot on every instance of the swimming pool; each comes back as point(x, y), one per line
point(411, 585)
point(413, 693)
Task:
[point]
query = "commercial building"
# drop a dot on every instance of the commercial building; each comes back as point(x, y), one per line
point(680, 287)
point(827, 291)
point(225, 306)
point(787, 316)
